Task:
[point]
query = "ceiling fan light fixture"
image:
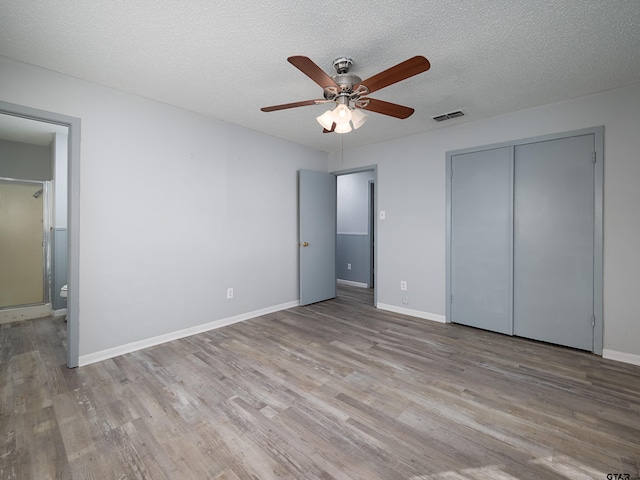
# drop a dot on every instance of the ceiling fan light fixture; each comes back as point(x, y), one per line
point(341, 114)
point(326, 119)
point(343, 128)
point(358, 118)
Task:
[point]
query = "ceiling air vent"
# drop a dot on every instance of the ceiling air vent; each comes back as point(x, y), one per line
point(448, 116)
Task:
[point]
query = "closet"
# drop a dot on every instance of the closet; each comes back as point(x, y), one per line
point(524, 238)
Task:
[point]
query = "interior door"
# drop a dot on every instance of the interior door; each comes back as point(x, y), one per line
point(21, 244)
point(317, 236)
point(554, 241)
point(481, 240)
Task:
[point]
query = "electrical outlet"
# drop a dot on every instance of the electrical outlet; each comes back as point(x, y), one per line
point(383, 214)
point(348, 266)
point(403, 285)
point(405, 300)
point(229, 293)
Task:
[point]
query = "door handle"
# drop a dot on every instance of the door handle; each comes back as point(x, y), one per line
point(305, 244)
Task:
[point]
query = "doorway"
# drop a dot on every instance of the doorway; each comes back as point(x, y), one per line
point(356, 229)
point(39, 121)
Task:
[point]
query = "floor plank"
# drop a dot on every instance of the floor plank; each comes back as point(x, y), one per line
point(335, 390)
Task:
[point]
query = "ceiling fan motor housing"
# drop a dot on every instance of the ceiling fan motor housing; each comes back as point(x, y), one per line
point(342, 64)
point(347, 81)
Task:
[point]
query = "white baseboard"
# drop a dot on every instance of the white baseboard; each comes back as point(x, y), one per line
point(24, 313)
point(632, 358)
point(352, 283)
point(59, 313)
point(413, 313)
point(187, 332)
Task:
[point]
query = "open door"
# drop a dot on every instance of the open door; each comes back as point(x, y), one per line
point(317, 236)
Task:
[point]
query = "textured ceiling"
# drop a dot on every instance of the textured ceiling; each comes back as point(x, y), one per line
point(227, 58)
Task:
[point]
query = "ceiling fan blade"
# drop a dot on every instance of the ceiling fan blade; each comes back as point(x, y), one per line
point(388, 108)
point(311, 70)
point(402, 71)
point(333, 128)
point(291, 105)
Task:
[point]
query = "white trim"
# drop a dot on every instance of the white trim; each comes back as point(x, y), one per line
point(359, 234)
point(413, 313)
point(24, 313)
point(632, 358)
point(352, 283)
point(59, 313)
point(187, 332)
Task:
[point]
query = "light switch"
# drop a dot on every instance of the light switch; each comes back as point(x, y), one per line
point(383, 215)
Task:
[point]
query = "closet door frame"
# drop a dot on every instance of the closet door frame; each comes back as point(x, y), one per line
point(598, 133)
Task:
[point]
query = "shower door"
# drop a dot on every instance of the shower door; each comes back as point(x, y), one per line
point(23, 237)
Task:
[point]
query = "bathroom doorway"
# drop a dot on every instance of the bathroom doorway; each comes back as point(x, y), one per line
point(34, 159)
point(60, 180)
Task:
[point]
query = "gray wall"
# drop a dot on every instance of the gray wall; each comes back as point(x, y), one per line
point(354, 250)
point(24, 161)
point(353, 242)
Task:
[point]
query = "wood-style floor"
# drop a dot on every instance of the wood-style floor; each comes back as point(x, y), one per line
point(336, 390)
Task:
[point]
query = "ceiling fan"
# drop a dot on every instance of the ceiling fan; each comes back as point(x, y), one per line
point(349, 92)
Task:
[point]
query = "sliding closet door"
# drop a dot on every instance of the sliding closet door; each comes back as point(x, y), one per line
point(480, 258)
point(554, 241)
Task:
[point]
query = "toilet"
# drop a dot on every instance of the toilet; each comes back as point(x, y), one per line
point(63, 294)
